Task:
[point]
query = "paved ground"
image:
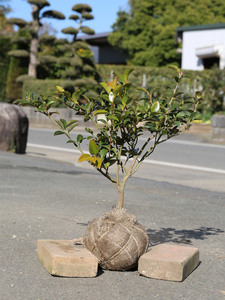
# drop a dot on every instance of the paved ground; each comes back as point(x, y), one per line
point(45, 199)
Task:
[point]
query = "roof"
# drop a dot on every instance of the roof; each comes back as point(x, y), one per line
point(96, 39)
point(180, 30)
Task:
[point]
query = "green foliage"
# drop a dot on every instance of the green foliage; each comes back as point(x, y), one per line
point(74, 17)
point(82, 8)
point(147, 32)
point(87, 16)
point(45, 38)
point(20, 40)
point(81, 63)
point(4, 65)
point(19, 53)
point(213, 87)
point(87, 30)
point(40, 3)
point(47, 59)
point(17, 21)
point(23, 78)
point(40, 87)
point(120, 120)
point(18, 66)
point(60, 41)
point(70, 30)
point(53, 14)
point(210, 82)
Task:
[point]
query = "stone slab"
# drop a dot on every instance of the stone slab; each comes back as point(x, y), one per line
point(63, 258)
point(169, 262)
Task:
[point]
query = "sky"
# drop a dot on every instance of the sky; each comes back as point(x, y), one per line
point(105, 13)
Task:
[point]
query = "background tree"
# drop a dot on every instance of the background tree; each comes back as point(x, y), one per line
point(77, 60)
point(147, 31)
point(33, 28)
point(6, 31)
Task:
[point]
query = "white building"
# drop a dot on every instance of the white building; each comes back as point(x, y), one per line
point(203, 46)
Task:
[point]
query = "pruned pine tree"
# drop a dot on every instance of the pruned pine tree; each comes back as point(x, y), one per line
point(33, 28)
point(80, 69)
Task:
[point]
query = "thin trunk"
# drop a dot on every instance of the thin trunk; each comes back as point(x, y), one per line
point(32, 69)
point(121, 195)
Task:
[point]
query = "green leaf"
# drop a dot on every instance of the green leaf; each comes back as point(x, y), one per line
point(127, 73)
point(63, 122)
point(23, 102)
point(86, 118)
point(93, 147)
point(155, 107)
point(60, 89)
point(120, 76)
point(142, 90)
point(112, 117)
point(117, 89)
point(84, 157)
point(106, 87)
point(40, 109)
point(74, 96)
point(89, 130)
point(53, 112)
point(59, 124)
point(58, 132)
point(181, 114)
point(102, 121)
point(71, 122)
point(71, 141)
point(100, 111)
point(72, 127)
point(80, 138)
point(175, 68)
point(103, 152)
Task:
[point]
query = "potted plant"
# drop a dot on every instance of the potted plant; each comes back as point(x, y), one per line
point(120, 114)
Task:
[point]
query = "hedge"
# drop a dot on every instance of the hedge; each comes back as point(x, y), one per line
point(211, 82)
point(4, 65)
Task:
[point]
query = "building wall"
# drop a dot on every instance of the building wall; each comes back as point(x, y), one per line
point(193, 40)
point(106, 54)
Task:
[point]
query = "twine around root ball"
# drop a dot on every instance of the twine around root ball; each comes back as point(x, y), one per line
point(117, 240)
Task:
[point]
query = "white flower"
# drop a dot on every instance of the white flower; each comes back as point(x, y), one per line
point(111, 96)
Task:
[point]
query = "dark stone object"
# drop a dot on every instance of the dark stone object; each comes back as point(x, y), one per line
point(13, 128)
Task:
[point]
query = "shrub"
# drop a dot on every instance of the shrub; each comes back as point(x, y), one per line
point(210, 82)
point(4, 65)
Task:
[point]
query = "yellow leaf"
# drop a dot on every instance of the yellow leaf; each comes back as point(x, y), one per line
point(99, 162)
point(92, 159)
point(84, 157)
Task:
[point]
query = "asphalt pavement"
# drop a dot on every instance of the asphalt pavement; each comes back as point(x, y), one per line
point(47, 199)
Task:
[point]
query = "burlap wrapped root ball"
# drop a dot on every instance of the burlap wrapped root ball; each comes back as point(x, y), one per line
point(117, 240)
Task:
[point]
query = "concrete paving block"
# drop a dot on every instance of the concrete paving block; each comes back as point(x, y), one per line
point(169, 262)
point(63, 258)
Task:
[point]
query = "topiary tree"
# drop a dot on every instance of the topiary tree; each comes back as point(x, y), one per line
point(120, 121)
point(81, 57)
point(19, 60)
point(33, 28)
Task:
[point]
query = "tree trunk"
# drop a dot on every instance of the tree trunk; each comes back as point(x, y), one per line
point(121, 196)
point(32, 69)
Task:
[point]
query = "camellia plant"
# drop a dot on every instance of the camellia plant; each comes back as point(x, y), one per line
point(119, 120)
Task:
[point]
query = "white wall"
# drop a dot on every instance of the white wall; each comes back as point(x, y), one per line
point(198, 39)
